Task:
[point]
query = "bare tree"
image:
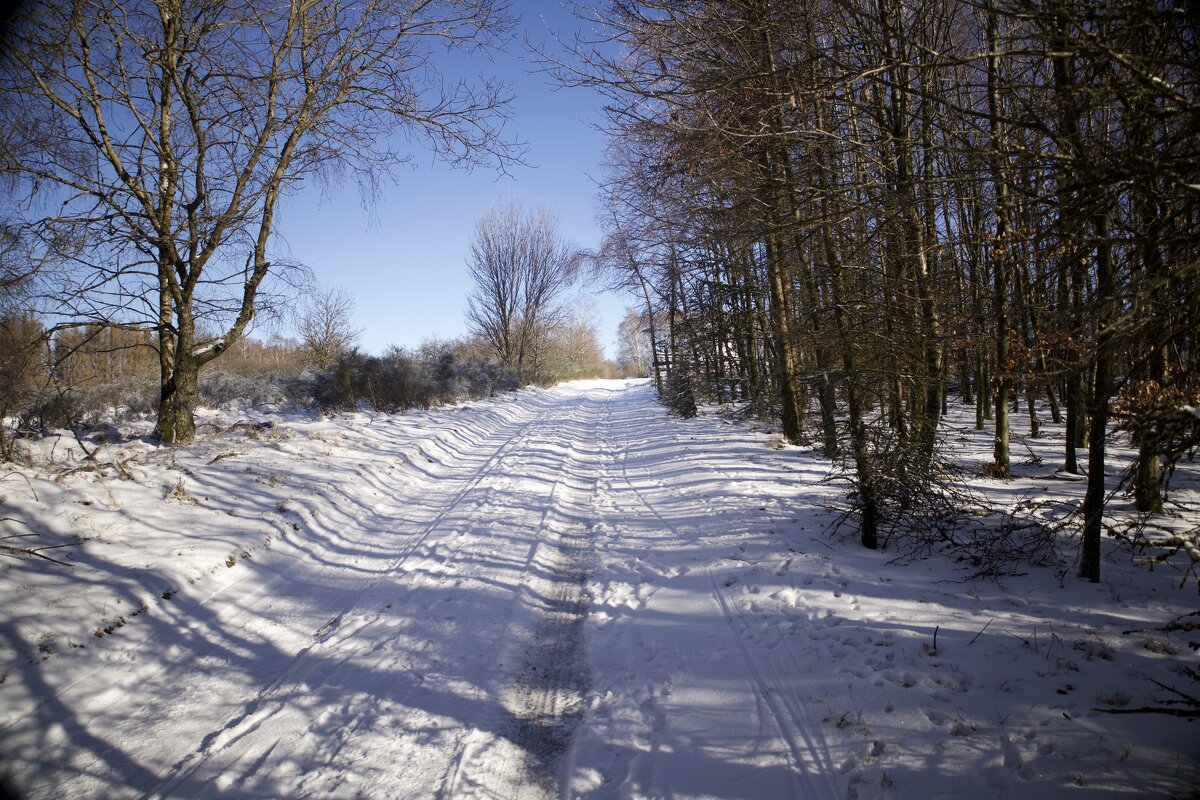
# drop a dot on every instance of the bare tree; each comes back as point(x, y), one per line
point(521, 267)
point(870, 199)
point(326, 327)
point(161, 134)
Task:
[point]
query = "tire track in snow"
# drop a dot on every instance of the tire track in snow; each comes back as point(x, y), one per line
point(806, 746)
point(787, 709)
point(543, 660)
point(247, 719)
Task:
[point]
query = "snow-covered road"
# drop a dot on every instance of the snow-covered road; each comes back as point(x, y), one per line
point(424, 637)
point(562, 593)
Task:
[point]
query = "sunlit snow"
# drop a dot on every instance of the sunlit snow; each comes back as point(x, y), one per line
point(553, 593)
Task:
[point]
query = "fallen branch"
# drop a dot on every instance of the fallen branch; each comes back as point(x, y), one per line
point(1189, 713)
point(35, 552)
point(1194, 702)
point(90, 454)
point(126, 475)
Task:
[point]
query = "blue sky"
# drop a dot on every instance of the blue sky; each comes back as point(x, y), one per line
point(404, 261)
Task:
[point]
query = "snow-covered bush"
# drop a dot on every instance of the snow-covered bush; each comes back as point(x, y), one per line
point(402, 379)
point(680, 395)
point(398, 381)
point(220, 389)
point(59, 406)
point(458, 378)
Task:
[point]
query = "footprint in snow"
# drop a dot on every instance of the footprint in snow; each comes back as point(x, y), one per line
point(789, 597)
point(936, 717)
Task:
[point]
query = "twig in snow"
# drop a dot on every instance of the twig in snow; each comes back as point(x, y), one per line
point(1034, 458)
point(981, 630)
point(36, 552)
point(1054, 639)
point(36, 499)
point(125, 473)
point(1025, 639)
point(1190, 713)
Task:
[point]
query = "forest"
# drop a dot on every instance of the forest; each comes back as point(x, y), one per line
point(847, 215)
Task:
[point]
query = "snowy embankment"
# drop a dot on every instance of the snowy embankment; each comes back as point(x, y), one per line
point(555, 593)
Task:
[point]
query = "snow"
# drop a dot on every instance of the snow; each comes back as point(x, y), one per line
point(554, 593)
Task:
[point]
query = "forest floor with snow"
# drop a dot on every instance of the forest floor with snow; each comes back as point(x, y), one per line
point(558, 593)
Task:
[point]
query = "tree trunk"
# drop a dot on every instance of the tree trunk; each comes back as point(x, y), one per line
point(1147, 483)
point(1035, 424)
point(786, 366)
point(865, 470)
point(826, 396)
point(177, 401)
point(1000, 249)
point(1073, 230)
point(1093, 501)
point(776, 180)
point(1055, 412)
point(1074, 388)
